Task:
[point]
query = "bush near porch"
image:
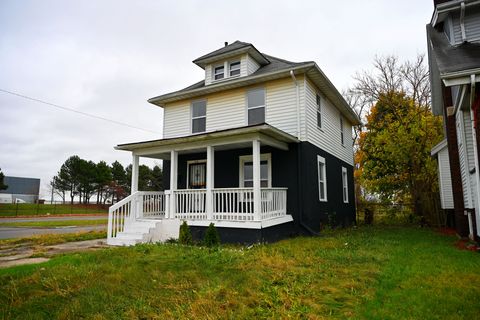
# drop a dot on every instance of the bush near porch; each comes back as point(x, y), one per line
point(363, 273)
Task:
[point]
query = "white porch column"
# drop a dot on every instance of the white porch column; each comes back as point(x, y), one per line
point(210, 181)
point(173, 181)
point(134, 186)
point(257, 205)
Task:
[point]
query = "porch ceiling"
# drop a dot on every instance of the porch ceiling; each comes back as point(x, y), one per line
point(222, 140)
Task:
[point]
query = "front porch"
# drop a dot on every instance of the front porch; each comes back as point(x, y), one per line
point(253, 204)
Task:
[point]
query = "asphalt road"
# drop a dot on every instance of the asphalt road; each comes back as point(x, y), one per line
point(7, 233)
point(63, 218)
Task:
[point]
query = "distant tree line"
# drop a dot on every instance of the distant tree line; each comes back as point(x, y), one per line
point(2, 185)
point(82, 179)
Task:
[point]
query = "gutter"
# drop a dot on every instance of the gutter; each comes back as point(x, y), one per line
point(474, 123)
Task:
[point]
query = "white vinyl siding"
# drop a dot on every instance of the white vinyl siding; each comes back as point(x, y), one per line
point(471, 23)
point(328, 138)
point(445, 179)
point(345, 185)
point(208, 74)
point(466, 157)
point(322, 178)
point(176, 119)
point(281, 101)
point(251, 64)
point(226, 110)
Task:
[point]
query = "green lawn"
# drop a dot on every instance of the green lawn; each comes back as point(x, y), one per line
point(23, 209)
point(364, 273)
point(54, 223)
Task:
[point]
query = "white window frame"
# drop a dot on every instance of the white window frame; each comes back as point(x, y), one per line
point(342, 133)
point(318, 101)
point(321, 160)
point(264, 106)
point(236, 68)
point(345, 185)
point(199, 117)
point(215, 72)
point(249, 158)
point(189, 162)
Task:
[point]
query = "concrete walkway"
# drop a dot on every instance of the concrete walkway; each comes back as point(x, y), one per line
point(15, 256)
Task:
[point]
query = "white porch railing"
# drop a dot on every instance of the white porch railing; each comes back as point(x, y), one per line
point(190, 204)
point(228, 204)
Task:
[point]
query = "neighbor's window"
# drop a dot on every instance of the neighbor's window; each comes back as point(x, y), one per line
point(199, 116)
point(345, 184)
point(219, 72)
point(256, 106)
point(322, 179)
point(234, 68)
point(319, 111)
point(342, 138)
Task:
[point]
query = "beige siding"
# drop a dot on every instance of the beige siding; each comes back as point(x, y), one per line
point(208, 74)
point(281, 104)
point(328, 137)
point(251, 64)
point(226, 110)
point(176, 119)
point(446, 194)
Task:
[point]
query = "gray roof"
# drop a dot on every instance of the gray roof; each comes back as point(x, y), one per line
point(235, 48)
point(276, 64)
point(450, 58)
point(231, 47)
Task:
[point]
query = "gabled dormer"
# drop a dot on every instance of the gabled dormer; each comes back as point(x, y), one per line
point(235, 60)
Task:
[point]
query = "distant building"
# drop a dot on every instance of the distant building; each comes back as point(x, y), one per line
point(20, 190)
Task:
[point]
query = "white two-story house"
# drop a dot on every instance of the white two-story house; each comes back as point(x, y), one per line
point(261, 147)
point(453, 38)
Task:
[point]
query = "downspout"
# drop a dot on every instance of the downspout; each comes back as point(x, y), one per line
point(292, 74)
point(299, 163)
point(474, 122)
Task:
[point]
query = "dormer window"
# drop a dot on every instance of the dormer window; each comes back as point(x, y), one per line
point(234, 68)
point(219, 72)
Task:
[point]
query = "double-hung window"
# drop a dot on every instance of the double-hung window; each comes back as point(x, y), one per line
point(219, 72)
point(256, 106)
point(319, 111)
point(342, 138)
point(234, 68)
point(246, 171)
point(345, 184)
point(322, 179)
point(199, 116)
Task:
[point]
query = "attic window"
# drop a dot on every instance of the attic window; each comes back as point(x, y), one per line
point(219, 72)
point(234, 68)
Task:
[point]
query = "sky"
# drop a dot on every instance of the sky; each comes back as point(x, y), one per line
point(107, 58)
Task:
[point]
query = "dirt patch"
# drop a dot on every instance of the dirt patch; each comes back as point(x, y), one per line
point(447, 231)
point(464, 244)
point(28, 254)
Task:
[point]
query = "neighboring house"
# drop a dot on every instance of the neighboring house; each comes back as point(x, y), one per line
point(262, 148)
point(454, 60)
point(20, 190)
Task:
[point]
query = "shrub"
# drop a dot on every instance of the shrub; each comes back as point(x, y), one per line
point(185, 236)
point(212, 239)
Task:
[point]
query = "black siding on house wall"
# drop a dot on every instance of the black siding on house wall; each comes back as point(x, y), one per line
point(301, 180)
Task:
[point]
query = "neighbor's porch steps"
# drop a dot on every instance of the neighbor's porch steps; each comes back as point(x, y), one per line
point(142, 231)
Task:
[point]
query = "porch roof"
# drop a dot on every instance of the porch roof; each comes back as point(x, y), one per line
point(235, 137)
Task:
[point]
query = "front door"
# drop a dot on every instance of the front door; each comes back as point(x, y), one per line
point(197, 175)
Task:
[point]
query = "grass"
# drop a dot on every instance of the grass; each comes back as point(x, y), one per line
point(364, 273)
point(54, 223)
point(23, 209)
point(51, 239)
